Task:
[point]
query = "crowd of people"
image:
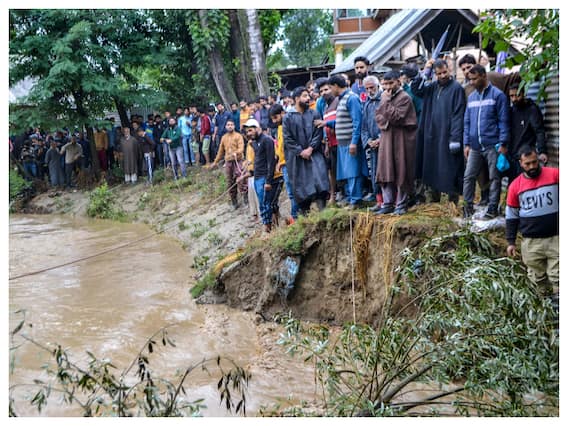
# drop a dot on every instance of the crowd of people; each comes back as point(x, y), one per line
point(393, 139)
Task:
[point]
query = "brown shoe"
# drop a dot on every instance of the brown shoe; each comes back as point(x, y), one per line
point(268, 228)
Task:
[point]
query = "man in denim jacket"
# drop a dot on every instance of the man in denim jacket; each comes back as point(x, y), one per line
point(486, 134)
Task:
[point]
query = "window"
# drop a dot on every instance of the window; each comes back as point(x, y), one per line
point(354, 13)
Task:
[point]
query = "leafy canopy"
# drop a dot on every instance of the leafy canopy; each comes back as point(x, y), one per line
point(538, 28)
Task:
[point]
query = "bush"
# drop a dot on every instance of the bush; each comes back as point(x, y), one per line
point(18, 185)
point(101, 204)
point(479, 330)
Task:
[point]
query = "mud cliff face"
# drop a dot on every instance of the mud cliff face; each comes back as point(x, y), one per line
point(329, 272)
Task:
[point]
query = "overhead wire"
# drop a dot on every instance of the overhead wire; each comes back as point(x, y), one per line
point(129, 243)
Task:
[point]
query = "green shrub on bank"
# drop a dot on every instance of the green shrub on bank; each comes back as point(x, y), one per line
point(102, 204)
point(472, 324)
point(18, 185)
point(208, 281)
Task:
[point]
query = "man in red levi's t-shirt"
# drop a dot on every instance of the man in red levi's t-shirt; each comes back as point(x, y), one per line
point(533, 209)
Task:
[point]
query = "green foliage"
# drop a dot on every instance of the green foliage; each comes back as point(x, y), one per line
point(214, 238)
point(102, 204)
point(204, 39)
point(200, 263)
point(17, 184)
point(539, 29)
point(305, 33)
point(82, 60)
point(101, 389)
point(269, 20)
point(290, 241)
point(473, 325)
point(221, 184)
point(208, 281)
point(198, 230)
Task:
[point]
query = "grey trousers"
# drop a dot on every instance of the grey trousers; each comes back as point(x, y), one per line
point(473, 168)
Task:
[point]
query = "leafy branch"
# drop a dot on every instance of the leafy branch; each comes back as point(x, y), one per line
point(98, 391)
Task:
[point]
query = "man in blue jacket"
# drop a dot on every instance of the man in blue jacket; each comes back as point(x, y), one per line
point(486, 134)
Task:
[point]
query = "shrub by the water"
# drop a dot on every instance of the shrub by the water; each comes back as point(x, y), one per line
point(102, 204)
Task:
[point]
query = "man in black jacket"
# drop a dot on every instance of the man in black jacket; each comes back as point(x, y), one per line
point(303, 150)
point(527, 130)
point(264, 165)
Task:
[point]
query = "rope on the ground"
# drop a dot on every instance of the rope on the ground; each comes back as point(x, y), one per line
point(113, 248)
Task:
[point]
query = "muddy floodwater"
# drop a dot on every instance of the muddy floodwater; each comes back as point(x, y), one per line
point(111, 304)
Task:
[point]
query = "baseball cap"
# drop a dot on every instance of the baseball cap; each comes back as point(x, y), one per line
point(251, 122)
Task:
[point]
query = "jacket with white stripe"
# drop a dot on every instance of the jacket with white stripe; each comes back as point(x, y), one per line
point(533, 206)
point(486, 120)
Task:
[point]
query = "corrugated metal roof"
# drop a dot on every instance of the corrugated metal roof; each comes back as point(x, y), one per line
point(394, 34)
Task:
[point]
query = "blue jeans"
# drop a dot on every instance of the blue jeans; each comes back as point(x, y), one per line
point(264, 200)
point(31, 168)
point(176, 156)
point(293, 204)
point(187, 151)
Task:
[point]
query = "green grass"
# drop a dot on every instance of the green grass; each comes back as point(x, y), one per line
point(207, 281)
point(198, 230)
point(200, 263)
point(214, 238)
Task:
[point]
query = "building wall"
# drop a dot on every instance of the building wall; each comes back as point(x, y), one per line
point(550, 109)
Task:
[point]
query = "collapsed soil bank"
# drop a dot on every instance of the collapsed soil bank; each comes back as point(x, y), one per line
point(337, 253)
point(341, 255)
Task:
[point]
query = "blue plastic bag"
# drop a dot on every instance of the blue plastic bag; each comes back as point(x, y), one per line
point(502, 161)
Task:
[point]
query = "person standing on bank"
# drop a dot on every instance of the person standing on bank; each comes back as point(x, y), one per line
point(486, 133)
point(527, 129)
point(533, 209)
point(439, 150)
point(307, 169)
point(396, 118)
point(264, 165)
point(130, 151)
point(351, 163)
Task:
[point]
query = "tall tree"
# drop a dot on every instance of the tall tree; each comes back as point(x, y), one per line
point(305, 33)
point(215, 26)
point(540, 30)
point(239, 55)
point(257, 52)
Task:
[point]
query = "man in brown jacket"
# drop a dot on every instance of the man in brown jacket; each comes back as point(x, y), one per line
point(231, 148)
point(396, 118)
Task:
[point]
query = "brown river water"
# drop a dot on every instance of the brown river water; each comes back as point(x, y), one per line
point(111, 304)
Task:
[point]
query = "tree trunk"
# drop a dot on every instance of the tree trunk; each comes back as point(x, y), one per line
point(257, 52)
point(84, 122)
point(240, 54)
point(122, 113)
point(217, 67)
